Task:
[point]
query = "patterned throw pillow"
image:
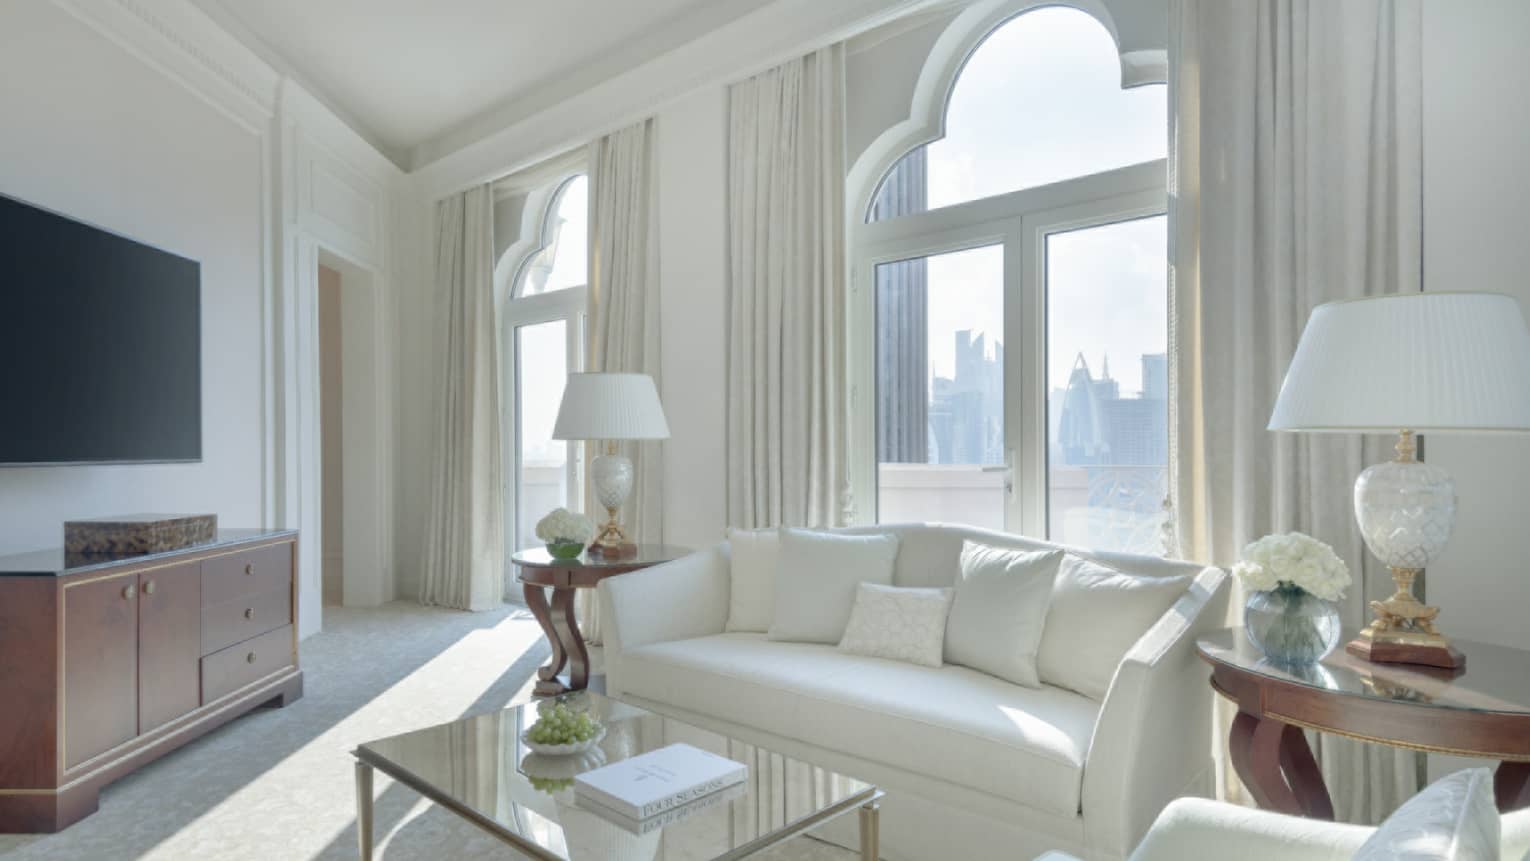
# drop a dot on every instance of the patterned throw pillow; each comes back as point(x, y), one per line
point(1453, 819)
point(900, 624)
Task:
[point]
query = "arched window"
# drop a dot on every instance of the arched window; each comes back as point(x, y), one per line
point(1038, 102)
point(561, 261)
point(544, 323)
point(1011, 301)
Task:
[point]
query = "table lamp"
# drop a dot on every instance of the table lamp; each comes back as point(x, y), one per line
point(1408, 363)
point(610, 407)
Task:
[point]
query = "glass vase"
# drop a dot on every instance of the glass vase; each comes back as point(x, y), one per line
point(1291, 626)
point(565, 549)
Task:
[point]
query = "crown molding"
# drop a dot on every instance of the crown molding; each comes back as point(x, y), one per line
point(775, 32)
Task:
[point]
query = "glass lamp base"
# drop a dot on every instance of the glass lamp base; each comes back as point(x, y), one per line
point(612, 476)
point(1406, 511)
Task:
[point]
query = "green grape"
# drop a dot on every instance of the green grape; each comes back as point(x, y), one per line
point(560, 725)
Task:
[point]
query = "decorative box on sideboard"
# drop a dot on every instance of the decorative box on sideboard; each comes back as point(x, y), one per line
point(110, 663)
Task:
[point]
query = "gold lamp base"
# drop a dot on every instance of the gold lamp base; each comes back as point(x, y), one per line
point(1404, 632)
point(611, 540)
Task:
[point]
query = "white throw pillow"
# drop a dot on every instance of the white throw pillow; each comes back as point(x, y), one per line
point(1097, 614)
point(997, 611)
point(817, 578)
point(898, 624)
point(752, 600)
point(1452, 819)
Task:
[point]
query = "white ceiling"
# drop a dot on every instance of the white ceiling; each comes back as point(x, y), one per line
point(406, 72)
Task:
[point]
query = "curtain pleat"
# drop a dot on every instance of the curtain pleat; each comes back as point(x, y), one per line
point(1295, 179)
point(464, 564)
point(624, 310)
point(787, 378)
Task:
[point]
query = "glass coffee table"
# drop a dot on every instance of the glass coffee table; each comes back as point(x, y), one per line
point(479, 769)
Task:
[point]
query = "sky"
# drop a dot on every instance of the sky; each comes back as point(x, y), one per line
point(1039, 101)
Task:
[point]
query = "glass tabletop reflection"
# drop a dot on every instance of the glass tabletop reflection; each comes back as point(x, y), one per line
point(642, 555)
point(1496, 678)
point(480, 764)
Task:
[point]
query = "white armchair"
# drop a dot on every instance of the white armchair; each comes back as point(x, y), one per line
point(1200, 828)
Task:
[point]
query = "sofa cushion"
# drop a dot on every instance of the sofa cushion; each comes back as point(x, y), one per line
point(998, 610)
point(752, 598)
point(898, 624)
point(816, 579)
point(1452, 819)
point(1026, 745)
point(1097, 614)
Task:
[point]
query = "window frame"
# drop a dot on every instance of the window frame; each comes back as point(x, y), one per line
point(570, 305)
point(1019, 221)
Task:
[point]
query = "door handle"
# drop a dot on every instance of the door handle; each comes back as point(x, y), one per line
point(1008, 468)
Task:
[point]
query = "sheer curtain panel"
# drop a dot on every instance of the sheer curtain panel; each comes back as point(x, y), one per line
point(624, 310)
point(1295, 179)
point(787, 394)
point(464, 564)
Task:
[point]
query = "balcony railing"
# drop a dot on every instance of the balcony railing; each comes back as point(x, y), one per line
point(1104, 507)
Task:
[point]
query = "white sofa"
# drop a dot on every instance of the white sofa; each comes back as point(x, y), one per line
point(1199, 828)
point(974, 766)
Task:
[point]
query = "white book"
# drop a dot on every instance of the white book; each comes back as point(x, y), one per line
point(653, 782)
point(672, 816)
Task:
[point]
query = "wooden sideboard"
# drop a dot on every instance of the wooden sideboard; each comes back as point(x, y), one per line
point(109, 663)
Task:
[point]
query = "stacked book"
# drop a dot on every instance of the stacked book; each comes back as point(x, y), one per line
point(660, 787)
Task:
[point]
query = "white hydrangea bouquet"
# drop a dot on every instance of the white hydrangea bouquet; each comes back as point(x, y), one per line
point(565, 532)
point(1292, 580)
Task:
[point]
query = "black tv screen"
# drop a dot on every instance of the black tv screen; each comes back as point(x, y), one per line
point(100, 345)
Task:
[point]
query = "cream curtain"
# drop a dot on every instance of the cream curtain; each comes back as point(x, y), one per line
point(1295, 179)
point(787, 390)
point(624, 309)
point(464, 564)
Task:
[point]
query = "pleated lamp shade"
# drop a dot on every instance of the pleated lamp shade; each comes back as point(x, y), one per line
point(610, 406)
point(1414, 361)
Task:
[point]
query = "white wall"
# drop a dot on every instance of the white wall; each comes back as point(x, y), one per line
point(1476, 183)
point(85, 133)
point(151, 120)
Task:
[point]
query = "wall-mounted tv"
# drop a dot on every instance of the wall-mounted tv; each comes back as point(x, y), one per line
point(100, 345)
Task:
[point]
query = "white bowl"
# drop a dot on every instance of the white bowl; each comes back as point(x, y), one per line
point(562, 749)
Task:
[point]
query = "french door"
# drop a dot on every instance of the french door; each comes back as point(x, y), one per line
point(546, 343)
point(1014, 351)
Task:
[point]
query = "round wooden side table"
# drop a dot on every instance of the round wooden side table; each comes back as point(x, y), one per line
point(539, 572)
point(1483, 711)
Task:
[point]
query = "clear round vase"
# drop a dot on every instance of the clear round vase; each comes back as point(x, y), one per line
point(1291, 626)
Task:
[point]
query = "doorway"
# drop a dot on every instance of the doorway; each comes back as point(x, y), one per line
point(352, 522)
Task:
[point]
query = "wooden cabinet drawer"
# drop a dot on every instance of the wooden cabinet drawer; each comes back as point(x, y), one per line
point(230, 669)
point(242, 618)
point(248, 572)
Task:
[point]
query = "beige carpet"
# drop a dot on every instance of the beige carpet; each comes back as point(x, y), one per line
point(277, 784)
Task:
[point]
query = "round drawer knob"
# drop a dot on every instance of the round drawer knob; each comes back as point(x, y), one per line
point(128, 592)
point(250, 658)
point(249, 612)
point(249, 567)
point(148, 588)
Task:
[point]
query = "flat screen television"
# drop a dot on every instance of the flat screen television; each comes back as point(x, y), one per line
point(100, 345)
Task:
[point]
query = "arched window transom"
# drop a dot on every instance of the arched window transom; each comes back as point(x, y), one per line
point(1038, 102)
point(562, 260)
